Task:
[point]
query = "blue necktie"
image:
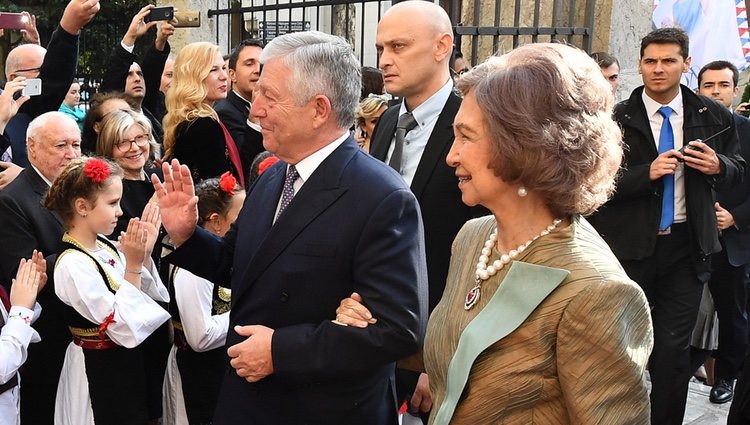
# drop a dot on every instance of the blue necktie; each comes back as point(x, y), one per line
point(666, 142)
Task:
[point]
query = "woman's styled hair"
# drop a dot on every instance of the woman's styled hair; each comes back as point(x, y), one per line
point(186, 97)
point(214, 196)
point(95, 115)
point(369, 107)
point(113, 128)
point(84, 177)
point(557, 139)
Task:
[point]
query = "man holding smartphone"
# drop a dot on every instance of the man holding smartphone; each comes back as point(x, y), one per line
point(661, 223)
point(718, 80)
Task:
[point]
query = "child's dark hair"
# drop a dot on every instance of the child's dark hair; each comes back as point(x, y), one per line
point(83, 178)
point(215, 196)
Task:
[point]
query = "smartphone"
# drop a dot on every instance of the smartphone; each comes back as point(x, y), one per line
point(13, 21)
point(33, 88)
point(187, 19)
point(165, 13)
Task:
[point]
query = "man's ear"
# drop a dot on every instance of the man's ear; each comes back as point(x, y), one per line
point(323, 110)
point(686, 66)
point(443, 46)
point(232, 75)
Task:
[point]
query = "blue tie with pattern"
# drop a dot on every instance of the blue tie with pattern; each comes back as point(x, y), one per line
point(666, 142)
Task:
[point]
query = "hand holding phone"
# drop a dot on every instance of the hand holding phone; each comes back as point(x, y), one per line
point(33, 88)
point(165, 13)
point(13, 21)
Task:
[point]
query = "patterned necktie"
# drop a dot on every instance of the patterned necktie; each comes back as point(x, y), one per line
point(406, 122)
point(288, 193)
point(666, 142)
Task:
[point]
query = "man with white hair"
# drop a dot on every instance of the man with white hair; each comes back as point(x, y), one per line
point(25, 225)
point(324, 222)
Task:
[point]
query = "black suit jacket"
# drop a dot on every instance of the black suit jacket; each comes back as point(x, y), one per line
point(56, 73)
point(353, 226)
point(26, 225)
point(629, 221)
point(233, 113)
point(737, 201)
point(436, 187)
point(200, 144)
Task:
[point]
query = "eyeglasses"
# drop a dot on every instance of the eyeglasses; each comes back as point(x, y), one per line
point(141, 140)
point(36, 70)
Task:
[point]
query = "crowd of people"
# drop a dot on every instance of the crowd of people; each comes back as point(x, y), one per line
point(322, 242)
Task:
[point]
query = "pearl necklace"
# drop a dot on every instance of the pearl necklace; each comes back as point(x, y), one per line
point(484, 272)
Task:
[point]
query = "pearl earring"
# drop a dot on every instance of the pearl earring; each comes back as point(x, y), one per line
point(522, 192)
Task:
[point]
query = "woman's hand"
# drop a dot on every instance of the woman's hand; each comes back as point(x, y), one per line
point(351, 312)
point(151, 220)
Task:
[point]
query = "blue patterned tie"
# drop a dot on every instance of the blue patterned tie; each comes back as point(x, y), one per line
point(288, 192)
point(666, 142)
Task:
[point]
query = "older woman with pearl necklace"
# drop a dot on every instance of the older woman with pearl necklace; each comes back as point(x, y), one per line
point(538, 322)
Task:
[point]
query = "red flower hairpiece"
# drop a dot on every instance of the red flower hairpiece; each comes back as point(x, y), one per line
point(96, 170)
point(227, 183)
point(266, 164)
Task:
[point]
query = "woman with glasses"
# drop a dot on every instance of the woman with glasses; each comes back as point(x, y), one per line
point(125, 137)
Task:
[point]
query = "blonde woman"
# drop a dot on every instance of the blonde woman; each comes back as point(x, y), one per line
point(367, 115)
point(193, 132)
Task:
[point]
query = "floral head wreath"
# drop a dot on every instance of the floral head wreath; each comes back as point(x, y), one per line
point(96, 170)
point(227, 183)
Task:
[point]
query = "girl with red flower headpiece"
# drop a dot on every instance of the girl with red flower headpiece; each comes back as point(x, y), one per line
point(109, 295)
point(200, 316)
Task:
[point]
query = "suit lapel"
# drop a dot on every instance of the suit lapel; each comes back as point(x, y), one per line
point(319, 192)
point(40, 187)
point(439, 142)
point(383, 133)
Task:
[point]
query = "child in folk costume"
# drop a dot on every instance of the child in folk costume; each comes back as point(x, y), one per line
point(200, 317)
point(109, 297)
point(17, 332)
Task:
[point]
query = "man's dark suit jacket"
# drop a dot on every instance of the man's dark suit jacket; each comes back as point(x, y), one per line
point(26, 225)
point(737, 201)
point(152, 66)
point(233, 113)
point(353, 226)
point(56, 73)
point(436, 187)
point(629, 221)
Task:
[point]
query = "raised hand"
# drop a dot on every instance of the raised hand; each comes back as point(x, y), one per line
point(8, 105)
point(30, 33)
point(165, 31)
point(77, 14)
point(26, 284)
point(177, 201)
point(138, 26)
point(133, 245)
point(151, 219)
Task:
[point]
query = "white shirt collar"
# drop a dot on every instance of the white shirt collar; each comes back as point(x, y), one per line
point(652, 106)
point(49, 183)
point(432, 106)
point(307, 166)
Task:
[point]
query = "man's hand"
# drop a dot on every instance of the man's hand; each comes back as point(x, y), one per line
point(30, 33)
point(421, 401)
point(165, 31)
point(177, 201)
point(703, 159)
point(723, 217)
point(665, 163)
point(77, 14)
point(351, 312)
point(8, 105)
point(252, 358)
point(138, 26)
point(9, 173)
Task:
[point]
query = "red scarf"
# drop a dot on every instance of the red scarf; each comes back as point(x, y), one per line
point(234, 153)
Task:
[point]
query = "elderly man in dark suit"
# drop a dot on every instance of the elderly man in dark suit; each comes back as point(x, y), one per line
point(718, 80)
point(661, 222)
point(327, 221)
point(415, 41)
point(234, 111)
point(25, 225)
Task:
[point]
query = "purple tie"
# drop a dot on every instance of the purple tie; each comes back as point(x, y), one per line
point(288, 193)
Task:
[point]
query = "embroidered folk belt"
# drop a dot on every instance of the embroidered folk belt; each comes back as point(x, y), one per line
point(90, 340)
